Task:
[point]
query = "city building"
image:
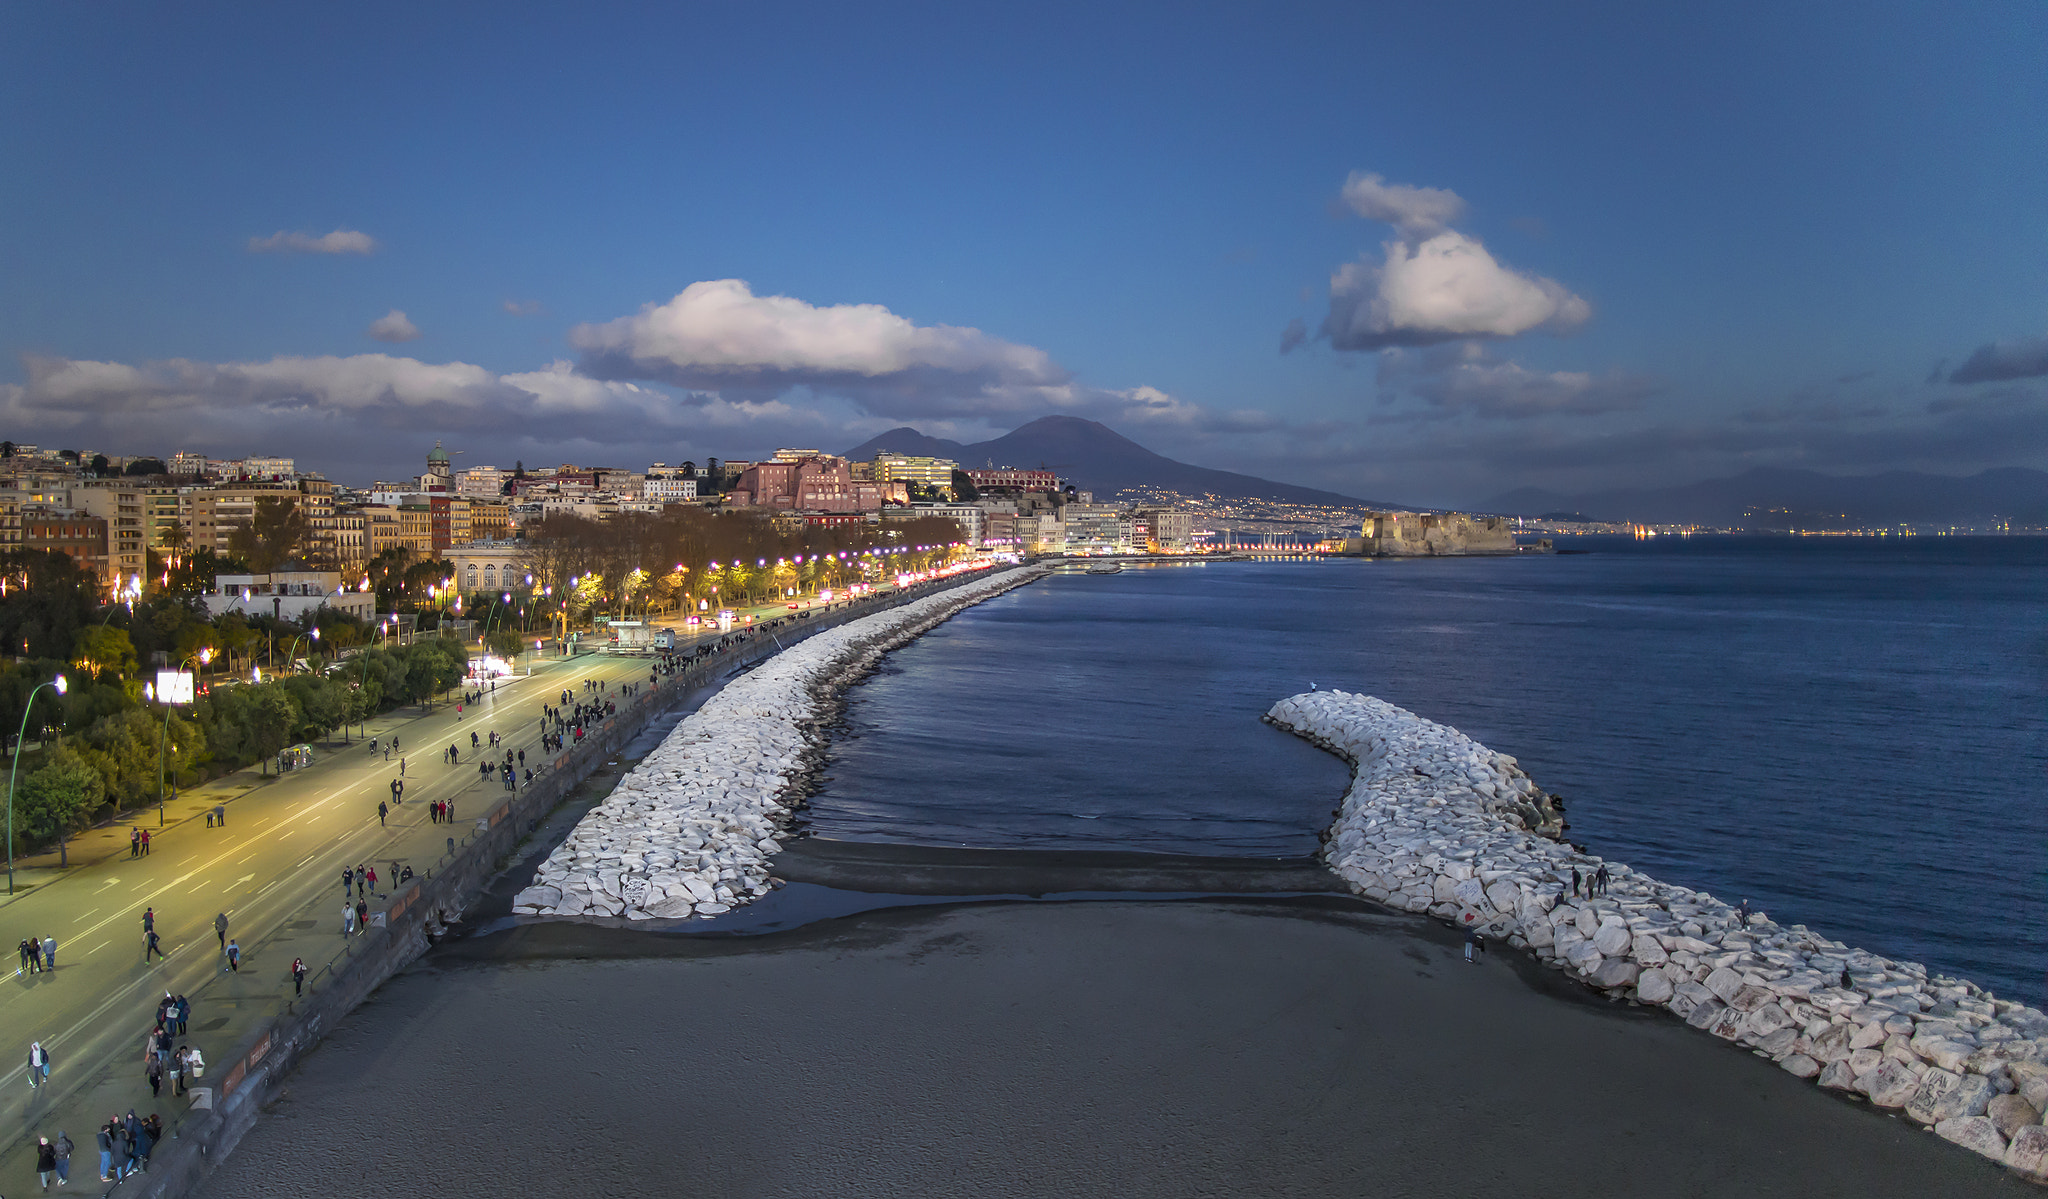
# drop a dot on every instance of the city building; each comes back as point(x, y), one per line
point(72, 532)
point(482, 567)
point(909, 468)
point(1008, 478)
point(481, 481)
point(819, 483)
point(967, 516)
point(289, 595)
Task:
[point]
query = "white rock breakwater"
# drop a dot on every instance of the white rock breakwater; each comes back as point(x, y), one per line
point(1435, 822)
point(690, 830)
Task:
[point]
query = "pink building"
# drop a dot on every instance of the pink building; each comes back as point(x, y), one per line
point(818, 483)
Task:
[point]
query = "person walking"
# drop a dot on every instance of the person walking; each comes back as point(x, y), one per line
point(148, 919)
point(134, 842)
point(370, 881)
point(348, 920)
point(145, 843)
point(184, 1014)
point(46, 1160)
point(382, 812)
point(362, 917)
point(155, 1073)
point(49, 953)
point(298, 977)
point(35, 955)
point(234, 952)
point(151, 946)
point(38, 1065)
point(397, 791)
point(401, 768)
point(64, 1148)
point(348, 883)
point(220, 929)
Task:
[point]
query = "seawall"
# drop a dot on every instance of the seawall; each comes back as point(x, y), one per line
point(690, 830)
point(1429, 826)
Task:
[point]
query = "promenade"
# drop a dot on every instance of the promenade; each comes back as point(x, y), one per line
point(273, 868)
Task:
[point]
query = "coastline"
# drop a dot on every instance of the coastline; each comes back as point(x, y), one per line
point(1431, 825)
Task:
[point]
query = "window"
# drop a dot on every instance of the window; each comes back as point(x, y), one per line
point(469, 577)
point(490, 576)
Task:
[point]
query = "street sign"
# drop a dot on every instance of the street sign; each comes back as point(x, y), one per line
point(174, 686)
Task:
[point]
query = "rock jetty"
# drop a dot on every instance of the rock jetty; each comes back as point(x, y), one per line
point(690, 830)
point(1437, 823)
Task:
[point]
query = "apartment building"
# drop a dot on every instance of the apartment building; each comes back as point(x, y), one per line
point(72, 532)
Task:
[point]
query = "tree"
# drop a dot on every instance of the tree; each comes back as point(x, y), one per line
point(105, 652)
point(963, 487)
point(57, 799)
point(273, 533)
point(6, 449)
point(323, 704)
point(248, 723)
point(146, 467)
point(99, 464)
point(45, 599)
point(505, 643)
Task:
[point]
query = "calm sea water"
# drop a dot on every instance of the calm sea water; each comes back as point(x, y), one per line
point(1849, 733)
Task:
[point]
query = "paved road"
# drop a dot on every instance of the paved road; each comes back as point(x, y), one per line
point(274, 870)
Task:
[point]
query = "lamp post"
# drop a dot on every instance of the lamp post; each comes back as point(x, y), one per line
point(363, 672)
point(12, 770)
point(292, 651)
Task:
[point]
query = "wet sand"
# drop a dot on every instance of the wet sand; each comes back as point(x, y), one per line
point(1307, 1046)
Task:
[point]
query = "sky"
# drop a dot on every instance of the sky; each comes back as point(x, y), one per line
point(1426, 253)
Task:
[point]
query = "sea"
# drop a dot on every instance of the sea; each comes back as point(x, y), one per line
point(1849, 733)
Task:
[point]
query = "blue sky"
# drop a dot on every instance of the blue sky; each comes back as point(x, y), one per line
point(1576, 247)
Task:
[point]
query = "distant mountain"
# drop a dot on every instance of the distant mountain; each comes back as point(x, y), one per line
point(1776, 498)
point(1096, 458)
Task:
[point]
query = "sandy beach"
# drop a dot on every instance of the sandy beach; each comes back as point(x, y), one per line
point(1310, 1046)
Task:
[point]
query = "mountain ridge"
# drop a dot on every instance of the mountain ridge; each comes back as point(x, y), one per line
point(1097, 458)
point(1806, 499)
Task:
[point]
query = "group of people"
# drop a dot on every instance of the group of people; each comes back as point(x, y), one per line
point(138, 842)
point(159, 1059)
point(37, 955)
point(1594, 883)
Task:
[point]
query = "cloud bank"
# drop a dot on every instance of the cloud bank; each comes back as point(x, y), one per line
point(341, 241)
point(2003, 360)
point(717, 335)
point(393, 326)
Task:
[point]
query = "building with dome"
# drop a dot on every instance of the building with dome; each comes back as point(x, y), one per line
point(440, 474)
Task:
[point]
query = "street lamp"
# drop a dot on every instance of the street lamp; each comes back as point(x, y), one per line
point(61, 687)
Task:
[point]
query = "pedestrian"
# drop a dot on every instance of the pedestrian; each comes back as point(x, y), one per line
point(383, 810)
point(348, 920)
point(220, 929)
point(35, 955)
point(152, 946)
point(370, 880)
point(397, 790)
point(145, 843)
point(362, 917)
point(134, 842)
point(522, 757)
point(64, 1148)
point(148, 919)
point(49, 953)
point(234, 957)
point(135, 1145)
point(401, 768)
point(1575, 882)
point(155, 1072)
point(38, 1065)
point(348, 883)
point(1742, 913)
point(46, 1160)
point(184, 1015)
point(123, 1163)
point(106, 1143)
point(1471, 946)
point(298, 977)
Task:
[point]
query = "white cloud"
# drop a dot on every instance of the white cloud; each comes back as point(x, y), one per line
point(718, 335)
point(1416, 211)
point(1445, 288)
point(520, 307)
point(341, 241)
point(393, 326)
point(1434, 284)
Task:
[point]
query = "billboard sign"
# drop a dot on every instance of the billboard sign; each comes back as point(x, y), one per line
point(174, 686)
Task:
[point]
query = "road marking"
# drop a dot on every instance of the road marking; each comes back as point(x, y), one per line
point(100, 946)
